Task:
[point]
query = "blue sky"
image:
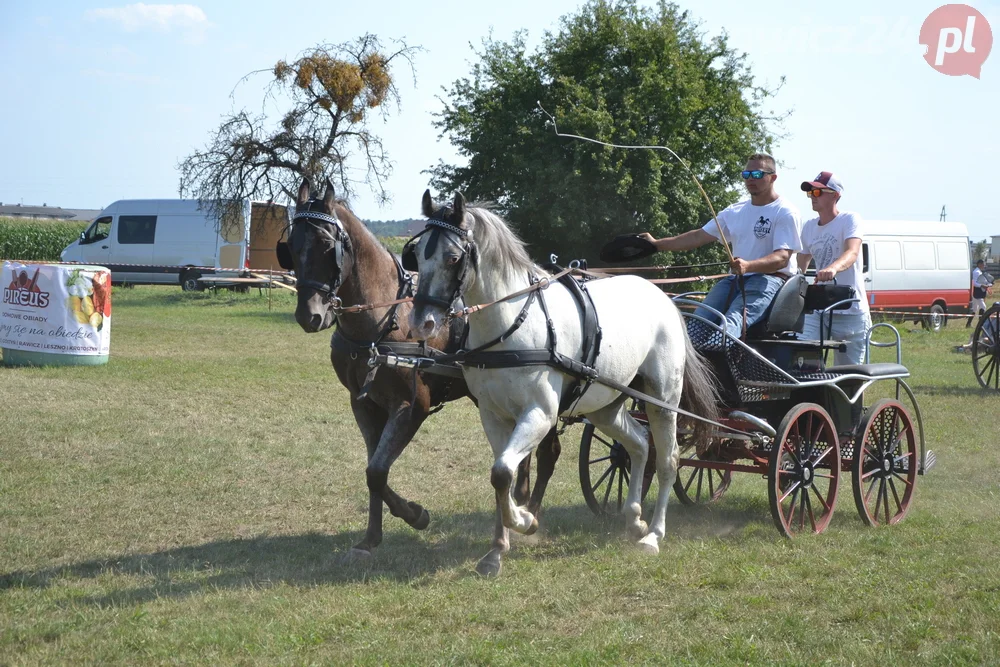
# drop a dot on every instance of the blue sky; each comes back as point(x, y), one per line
point(102, 100)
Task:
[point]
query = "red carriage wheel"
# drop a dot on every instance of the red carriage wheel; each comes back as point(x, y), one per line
point(694, 485)
point(885, 464)
point(604, 470)
point(804, 471)
point(700, 486)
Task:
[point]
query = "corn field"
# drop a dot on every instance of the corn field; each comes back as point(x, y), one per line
point(36, 240)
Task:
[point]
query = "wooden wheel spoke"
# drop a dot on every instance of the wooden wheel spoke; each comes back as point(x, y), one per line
point(803, 501)
point(790, 519)
point(792, 489)
point(822, 456)
point(809, 507)
point(696, 473)
point(607, 492)
point(902, 479)
point(822, 475)
point(598, 438)
point(895, 496)
point(819, 496)
point(597, 484)
point(885, 498)
point(871, 487)
point(603, 458)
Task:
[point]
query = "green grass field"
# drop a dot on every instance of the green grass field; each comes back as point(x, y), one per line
point(190, 502)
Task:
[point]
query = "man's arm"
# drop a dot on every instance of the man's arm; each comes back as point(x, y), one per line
point(803, 260)
point(849, 256)
point(776, 261)
point(695, 238)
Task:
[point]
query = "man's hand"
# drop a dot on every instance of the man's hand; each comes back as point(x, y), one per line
point(826, 275)
point(648, 237)
point(739, 266)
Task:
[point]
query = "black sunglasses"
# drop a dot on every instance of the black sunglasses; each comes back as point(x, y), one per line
point(756, 174)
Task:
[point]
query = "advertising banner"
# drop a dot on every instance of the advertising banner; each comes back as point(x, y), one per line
point(54, 309)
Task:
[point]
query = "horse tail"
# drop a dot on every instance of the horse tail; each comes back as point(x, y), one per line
point(700, 395)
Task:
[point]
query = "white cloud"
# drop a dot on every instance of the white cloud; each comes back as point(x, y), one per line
point(162, 18)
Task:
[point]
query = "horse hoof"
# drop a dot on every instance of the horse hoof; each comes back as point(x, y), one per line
point(638, 530)
point(648, 545)
point(533, 528)
point(488, 567)
point(423, 520)
point(356, 555)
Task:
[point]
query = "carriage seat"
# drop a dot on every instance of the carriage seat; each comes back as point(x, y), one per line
point(786, 313)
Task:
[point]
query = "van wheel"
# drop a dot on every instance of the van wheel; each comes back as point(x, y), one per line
point(936, 319)
point(190, 282)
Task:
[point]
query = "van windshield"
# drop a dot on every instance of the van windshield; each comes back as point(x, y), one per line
point(98, 231)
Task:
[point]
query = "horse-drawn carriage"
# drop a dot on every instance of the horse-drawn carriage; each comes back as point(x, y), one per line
point(795, 421)
point(773, 407)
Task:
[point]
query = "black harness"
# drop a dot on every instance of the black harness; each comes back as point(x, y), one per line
point(370, 348)
point(341, 241)
point(584, 371)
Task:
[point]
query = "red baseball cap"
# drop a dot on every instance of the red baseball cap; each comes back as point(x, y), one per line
point(827, 180)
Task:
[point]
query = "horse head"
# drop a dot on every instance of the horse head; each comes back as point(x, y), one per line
point(446, 257)
point(319, 251)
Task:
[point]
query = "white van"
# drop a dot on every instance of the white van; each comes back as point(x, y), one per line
point(171, 241)
point(917, 267)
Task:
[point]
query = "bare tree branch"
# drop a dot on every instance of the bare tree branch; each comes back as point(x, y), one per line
point(326, 97)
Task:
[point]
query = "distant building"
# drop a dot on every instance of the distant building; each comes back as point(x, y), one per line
point(45, 212)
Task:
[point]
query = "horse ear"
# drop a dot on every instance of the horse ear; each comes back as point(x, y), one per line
point(458, 209)
point(328, 196)
point(427, 204)
point(303, 193)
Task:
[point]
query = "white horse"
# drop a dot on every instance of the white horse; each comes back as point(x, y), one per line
point(644, 345)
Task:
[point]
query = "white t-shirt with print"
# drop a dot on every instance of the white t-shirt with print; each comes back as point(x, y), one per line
point(757, 231)
point(827, 242)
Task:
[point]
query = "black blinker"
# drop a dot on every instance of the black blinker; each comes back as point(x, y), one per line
point(409, 257)
point(432, 242)
point(284, 256)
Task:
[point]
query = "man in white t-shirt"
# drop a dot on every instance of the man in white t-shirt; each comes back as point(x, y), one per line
point(765, 235)
point(980, 283)
point(833, 240)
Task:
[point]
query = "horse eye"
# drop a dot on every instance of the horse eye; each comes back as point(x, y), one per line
point(453, 259)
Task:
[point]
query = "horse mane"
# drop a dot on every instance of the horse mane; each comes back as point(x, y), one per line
point(358, 228)
point(499, 245)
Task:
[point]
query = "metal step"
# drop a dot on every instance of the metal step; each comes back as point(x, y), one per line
point(929, 460)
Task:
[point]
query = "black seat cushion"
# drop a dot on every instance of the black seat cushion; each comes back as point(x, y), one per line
point(822, 296)
point(870, 370)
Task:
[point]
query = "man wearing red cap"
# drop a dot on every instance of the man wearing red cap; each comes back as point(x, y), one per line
point(765, 233)
point(833, 240)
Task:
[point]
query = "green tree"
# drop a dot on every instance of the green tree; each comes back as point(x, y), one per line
point(328, 95)
point(621, 74)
